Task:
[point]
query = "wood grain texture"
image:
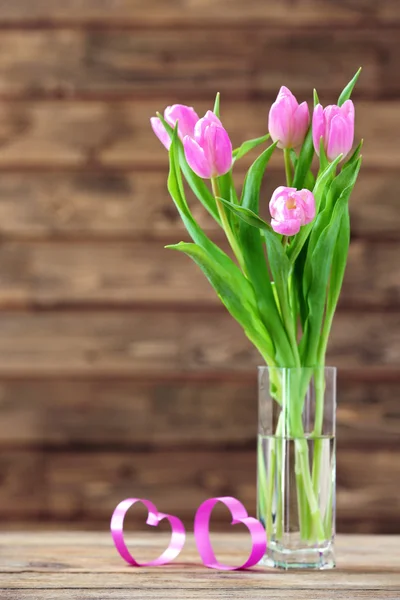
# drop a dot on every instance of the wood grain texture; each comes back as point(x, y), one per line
point(159, 13)
point(61, 274)
point(117, 205)
point(119, 370)
point(29, 594)
point(81, 486)
point(132, 414)
point(275, 594)
point(86, 565)
point(53, 134)
point(144, 342)
point(242, 61)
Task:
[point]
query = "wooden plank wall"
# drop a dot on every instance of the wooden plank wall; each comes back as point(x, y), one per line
point(120, 374)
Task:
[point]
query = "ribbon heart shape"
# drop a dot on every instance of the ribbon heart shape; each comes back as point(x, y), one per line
point(154, 517)
point(239, 514)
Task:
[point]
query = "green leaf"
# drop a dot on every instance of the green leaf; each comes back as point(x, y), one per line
point(316, 99)
point(304, 161)
point(175, 188)
point(346, 94)
point(347, 177)
point(227, 269)
point(339, 262)
point(318, 191)
point(196, 184)
point(354, 156)
point(236, 294)
point(247, 215)
point(280, 268)
point(278, 260)
point(321, 249)
point(323, 159)
point(298, 274)
point(345, 180)
point(252, 183)
point(309, 180)
point(248, 146)
point(252, 244)
point(320, 265)
point(216, 105)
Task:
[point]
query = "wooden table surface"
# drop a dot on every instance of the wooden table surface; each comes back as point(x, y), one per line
point(52, 566)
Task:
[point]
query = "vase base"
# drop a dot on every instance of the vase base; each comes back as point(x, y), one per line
point(306, 558)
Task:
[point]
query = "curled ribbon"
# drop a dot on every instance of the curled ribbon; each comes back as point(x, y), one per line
point(239, 514)
point(178, 534)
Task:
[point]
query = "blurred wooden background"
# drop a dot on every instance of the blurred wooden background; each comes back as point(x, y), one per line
point(120, 373)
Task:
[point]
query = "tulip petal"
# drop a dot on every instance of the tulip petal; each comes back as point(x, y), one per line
point(160, 132)
point(341, 137)
point(301, 121)
point(279, 123)
point(348, 109)
point(288, 227)
point(306, 200)
point(203, 123)
point(186, 117)
point(196, 158)
point(279, 196)
point(222, 150)
point(287, 121)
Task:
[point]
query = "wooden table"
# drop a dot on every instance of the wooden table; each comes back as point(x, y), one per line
point(76, 566)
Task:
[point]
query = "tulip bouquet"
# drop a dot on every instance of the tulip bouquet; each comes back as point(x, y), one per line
point(282, 279)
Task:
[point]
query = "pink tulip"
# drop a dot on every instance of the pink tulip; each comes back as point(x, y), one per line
point(290, 209)
point(288, 121)
point(186, 117)
point(209, 151)
point(335, 125)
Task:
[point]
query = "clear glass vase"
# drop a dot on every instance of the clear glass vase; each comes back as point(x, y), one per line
point(297, 466)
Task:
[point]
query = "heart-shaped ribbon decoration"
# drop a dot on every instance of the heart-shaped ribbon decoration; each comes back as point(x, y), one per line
point(239, 514)
point(178, 534)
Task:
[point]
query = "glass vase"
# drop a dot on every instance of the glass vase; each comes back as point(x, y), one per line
point(297, 466)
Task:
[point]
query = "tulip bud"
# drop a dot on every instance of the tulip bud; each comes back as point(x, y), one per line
point(209, 151)
point(290, 209)
point(335, 125)
point(186, 117)
point(288, 121)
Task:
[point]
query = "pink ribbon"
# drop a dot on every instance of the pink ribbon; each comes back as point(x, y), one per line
point(178, 534)
point(239, 514)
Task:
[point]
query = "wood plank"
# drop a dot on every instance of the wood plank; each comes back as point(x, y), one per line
point(367, 567)
point(129, 414)
point(84, 486)
point(51, 134)
point(68, 62)
point(144, 342)
point(158, 13)
point(217, 594)
point(23, 491)
point(131, 273)
point(113, 204)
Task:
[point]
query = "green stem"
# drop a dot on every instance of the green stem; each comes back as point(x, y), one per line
point(290, 329)
point(281, 445)
point(288, 167)
point(329, 509)
point(226, 226)
point(263, 490)
point(318, 424)
point(270, 487)
point(317, 526)
point(301, 504)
